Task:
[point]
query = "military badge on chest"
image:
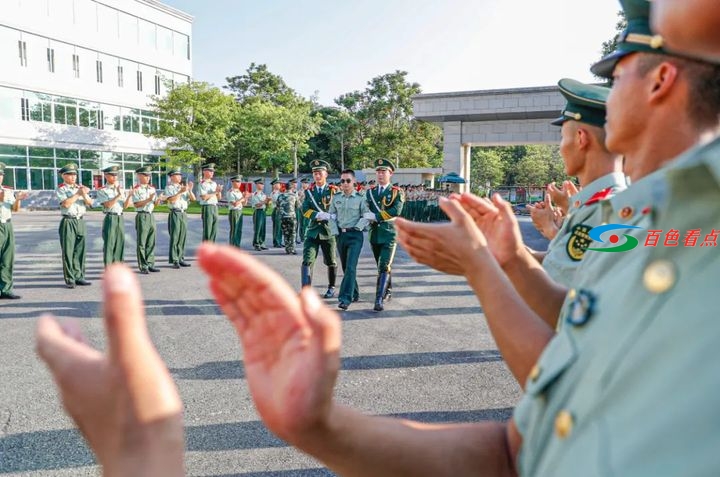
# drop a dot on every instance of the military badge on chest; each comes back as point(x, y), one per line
point(578, 242)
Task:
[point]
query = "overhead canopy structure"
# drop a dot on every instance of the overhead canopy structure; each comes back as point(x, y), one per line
point(452, 178)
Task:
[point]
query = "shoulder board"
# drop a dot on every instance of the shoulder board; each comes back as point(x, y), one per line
point(137, 186)
point(61, 185)
point(396, 188)
point(332, 187)
point(598, 196)
point(7, 187)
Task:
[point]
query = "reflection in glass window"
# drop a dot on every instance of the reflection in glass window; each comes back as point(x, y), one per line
point(66, 154)
point(86, 178)
point(40, 152)
point(10, 178)
point(6, 149)
point(36, 179)
point(19, 161)
point(60, 113)
point(165, 40)
point(181, 46)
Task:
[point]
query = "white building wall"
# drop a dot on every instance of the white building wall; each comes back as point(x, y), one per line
point(39, 40)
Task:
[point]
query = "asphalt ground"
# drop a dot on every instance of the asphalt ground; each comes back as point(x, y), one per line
point(429, 356)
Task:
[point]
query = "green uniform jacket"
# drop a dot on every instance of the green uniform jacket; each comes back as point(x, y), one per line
point(386, 208)
point(310, 209)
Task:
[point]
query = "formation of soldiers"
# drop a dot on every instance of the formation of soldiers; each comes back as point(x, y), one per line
point(617, 360)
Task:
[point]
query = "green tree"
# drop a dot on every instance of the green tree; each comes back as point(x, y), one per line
point(487, 169)
point(610, 45)
point(540, 165)
point(195, 121)
point(258, 83)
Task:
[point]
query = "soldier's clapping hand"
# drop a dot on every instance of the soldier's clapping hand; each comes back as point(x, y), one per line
point(290, 344)
point(124, 400)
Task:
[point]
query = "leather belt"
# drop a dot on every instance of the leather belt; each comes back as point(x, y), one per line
point(209, 205)
point(113, 213)
point(66, 216)
point(143, 212)
point(177, 211)
point(349, 230)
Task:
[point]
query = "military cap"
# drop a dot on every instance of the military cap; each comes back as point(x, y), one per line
point(237, 178)
point(319, 165)
point(305, 180)
point(384, 164)
point(112, 170)
point(637, 37)
point(372, 182)
point(292, 180)
point(174, 171)
point(208, 166)
point(585, 102)
point(274, 181)
point(259, 181)
point(68, 169)
point(143, 170)
point(2, 167)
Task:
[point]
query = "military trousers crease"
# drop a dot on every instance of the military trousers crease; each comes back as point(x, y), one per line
point(236, 222)
point(72, 242)
point(259, 228)
point(349, 247)
point(146, 232)
point(384, 254)
point(113, 234)
point(209, 222)
point(328, 247)
point(7, 257)
point(177, 228)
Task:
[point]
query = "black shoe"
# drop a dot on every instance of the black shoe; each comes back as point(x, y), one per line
point(294, 252)
point(329, 293)
point(378, 306)
point(9, 296)
point(343, 306)
point(356, 299)
point(144, 271)
point(263, 248)
point(153, 269)
point(388, 295)
point(70, 285)
point(184, 264)
point(82, 282)
point(298, 242)
point(176, 265)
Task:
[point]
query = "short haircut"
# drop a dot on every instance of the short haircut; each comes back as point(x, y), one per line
point(348, 171)
point(703, 85)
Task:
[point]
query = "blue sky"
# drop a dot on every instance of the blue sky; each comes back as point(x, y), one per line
point(334, 47)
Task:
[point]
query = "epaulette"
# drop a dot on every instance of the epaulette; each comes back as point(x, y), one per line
point(332, 187)
point(396, 188)
point(137, 186)
point(598, 196)
point(6, 187)
point(61, 185)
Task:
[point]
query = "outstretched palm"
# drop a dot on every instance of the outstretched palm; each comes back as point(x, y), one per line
point(290, 344)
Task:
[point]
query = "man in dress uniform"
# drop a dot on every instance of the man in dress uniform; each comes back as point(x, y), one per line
point(259, 202)
point(318, 234)
point(8, 198)
point(385, 203)
point(277, 233)
point(143, 198)
point(112, 197)
point(348, 211)
point(177, 195)
point(598, 170)
point(73, 200)
point(286, 204)
point(236, 201)
point(209, 192)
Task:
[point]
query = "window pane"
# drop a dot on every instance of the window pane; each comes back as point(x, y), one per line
point(36, 179)
point(66, 154)
point(60, 114)
point(71, 115)
point(86, 177)
point(13, 150)
point(128, 29)
point(181, 43)
point(41, 151)
point(164, 40)
point(84, 118)
point(9, 100)
point(128, 179)
point(19, 161)
point(147, 35)
point(10, 178)
point(49, 178)
point(47, 112)
point(21, 179)
point(135, 124)
point(35, 162)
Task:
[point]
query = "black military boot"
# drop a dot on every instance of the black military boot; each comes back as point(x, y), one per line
point(332, 275)
point(382, 284)
point(305, 276)
point(388, 292)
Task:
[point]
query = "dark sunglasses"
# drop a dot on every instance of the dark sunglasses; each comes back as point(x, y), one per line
point(345, 181)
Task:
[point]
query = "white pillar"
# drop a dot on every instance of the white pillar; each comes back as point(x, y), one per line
point(452, 147)
point(465, 174)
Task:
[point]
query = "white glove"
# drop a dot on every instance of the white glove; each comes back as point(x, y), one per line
point(369, 216)
point(322, 216)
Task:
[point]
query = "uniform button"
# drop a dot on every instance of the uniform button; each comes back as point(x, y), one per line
point(659, 276)
point(563, 424)
point(577, 203)
point(626, 212)
point(535, 372)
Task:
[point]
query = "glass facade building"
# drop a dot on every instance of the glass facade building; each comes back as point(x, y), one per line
point(76, 81)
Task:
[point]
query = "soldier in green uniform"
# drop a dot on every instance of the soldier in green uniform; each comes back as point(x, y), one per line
point(8, 198)
point(143, 198)
point(259, 202)
point(318, 234)
point(112, 197)
point(277, 232)
point(177, 195)
point(301, 220)
point(385, 203)
point(286, 203)
point(348, 210)
point(236, 201)
point(73, 200)
point(209, 192)
point(598, 170)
